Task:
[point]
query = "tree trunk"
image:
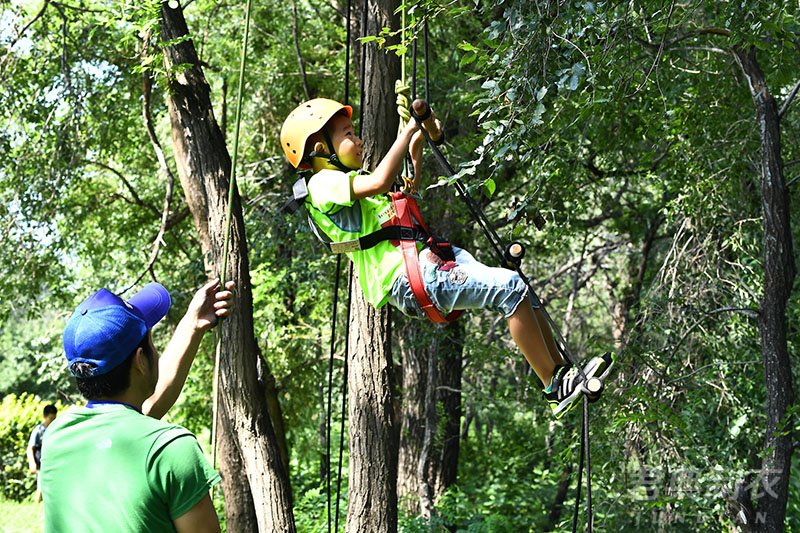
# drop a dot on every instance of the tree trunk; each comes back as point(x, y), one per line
point(373, 435)
point(449, 397)
point(431, 384)
point(204, 167)
point(240, 515)
point(769, 510)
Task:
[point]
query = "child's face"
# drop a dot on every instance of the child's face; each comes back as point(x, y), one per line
point(345, 143)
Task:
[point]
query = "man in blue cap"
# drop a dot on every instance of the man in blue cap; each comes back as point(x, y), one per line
point(113, 465)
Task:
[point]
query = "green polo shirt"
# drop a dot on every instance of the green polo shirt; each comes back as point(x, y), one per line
point(331, 206)
point(110, 468)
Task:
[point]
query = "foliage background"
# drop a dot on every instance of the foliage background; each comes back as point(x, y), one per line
point(626, 126)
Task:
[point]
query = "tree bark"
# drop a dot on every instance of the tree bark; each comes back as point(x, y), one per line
point(431, 384)
point(769, 510)
point(204, 168)
point(240, 514)
point(373, 435)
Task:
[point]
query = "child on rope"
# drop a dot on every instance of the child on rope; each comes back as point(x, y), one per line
point(346, 202)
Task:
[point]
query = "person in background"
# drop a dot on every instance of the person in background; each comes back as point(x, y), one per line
point(35, 446)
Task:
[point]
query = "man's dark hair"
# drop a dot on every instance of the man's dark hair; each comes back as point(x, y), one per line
point(50, 410)
point(111, 383)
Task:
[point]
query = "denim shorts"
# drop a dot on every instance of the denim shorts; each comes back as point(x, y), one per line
point(468, 285)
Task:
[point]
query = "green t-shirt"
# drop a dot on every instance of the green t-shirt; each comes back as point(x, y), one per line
point(110, 468)
point(342, 218)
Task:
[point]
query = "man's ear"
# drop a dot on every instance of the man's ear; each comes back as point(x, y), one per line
point(320, 147)
point(141, 362)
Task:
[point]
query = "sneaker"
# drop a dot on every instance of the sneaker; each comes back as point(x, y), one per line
point(566, 385)
point(564, 389)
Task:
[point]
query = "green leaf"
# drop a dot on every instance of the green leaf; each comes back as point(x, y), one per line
point(489, 187)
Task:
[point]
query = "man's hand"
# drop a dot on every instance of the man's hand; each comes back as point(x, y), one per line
point(209, 304)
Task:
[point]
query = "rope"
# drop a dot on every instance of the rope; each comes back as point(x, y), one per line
point(348, 23)
point(335, 305)
point(401, 88)
point(427, 73)
point(344, 396)
point(497, 245)
point(228, 215)
point(403, 92)
point(584, 460)
point(329, 420)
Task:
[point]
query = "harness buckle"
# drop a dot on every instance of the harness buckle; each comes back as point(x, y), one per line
point(408, 233)
point(345, 246)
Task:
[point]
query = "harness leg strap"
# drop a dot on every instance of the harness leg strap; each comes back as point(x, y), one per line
point(403, 212)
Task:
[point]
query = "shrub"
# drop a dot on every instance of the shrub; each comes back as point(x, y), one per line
point(18, 416)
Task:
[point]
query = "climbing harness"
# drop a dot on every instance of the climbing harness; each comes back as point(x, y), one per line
point(404, 227)
point(409, 221)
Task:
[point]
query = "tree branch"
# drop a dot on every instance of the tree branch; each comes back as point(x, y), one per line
point(688, 35)
point(752, 313)
point(661, 48)
point(789, 98)
point(28, 25)
point(136, 199)
point(79, 8)
point(300, 61)
point(147, 116)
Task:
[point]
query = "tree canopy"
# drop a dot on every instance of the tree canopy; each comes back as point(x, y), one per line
point(623, 143)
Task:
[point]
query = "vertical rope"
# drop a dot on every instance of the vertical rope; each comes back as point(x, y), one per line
point(335, 305)
point(414, 70)
point(580, 479)
point(347, 54)
point(348, 23)
point(587, 460)
point(427, 72)
point(228, 215)
point(344, 393)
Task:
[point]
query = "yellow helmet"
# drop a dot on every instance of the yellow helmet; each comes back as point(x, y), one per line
point(307, 119)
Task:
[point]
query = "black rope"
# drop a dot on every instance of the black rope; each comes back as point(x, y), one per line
point(585, 431)
point(427, 73)
point(498, 246)
point(578, 486)
point(344, 393)
point(363, 67)
point(413, 70)
point(330, 386)
point(585, 460)
point(348, 22)
point(347, 56)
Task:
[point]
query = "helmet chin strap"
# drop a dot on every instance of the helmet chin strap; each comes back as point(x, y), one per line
point(331, 158)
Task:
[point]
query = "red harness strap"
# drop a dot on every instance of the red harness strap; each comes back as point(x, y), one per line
point(406, 213)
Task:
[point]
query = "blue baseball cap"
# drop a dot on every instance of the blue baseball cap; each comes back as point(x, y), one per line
point(105, 329)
